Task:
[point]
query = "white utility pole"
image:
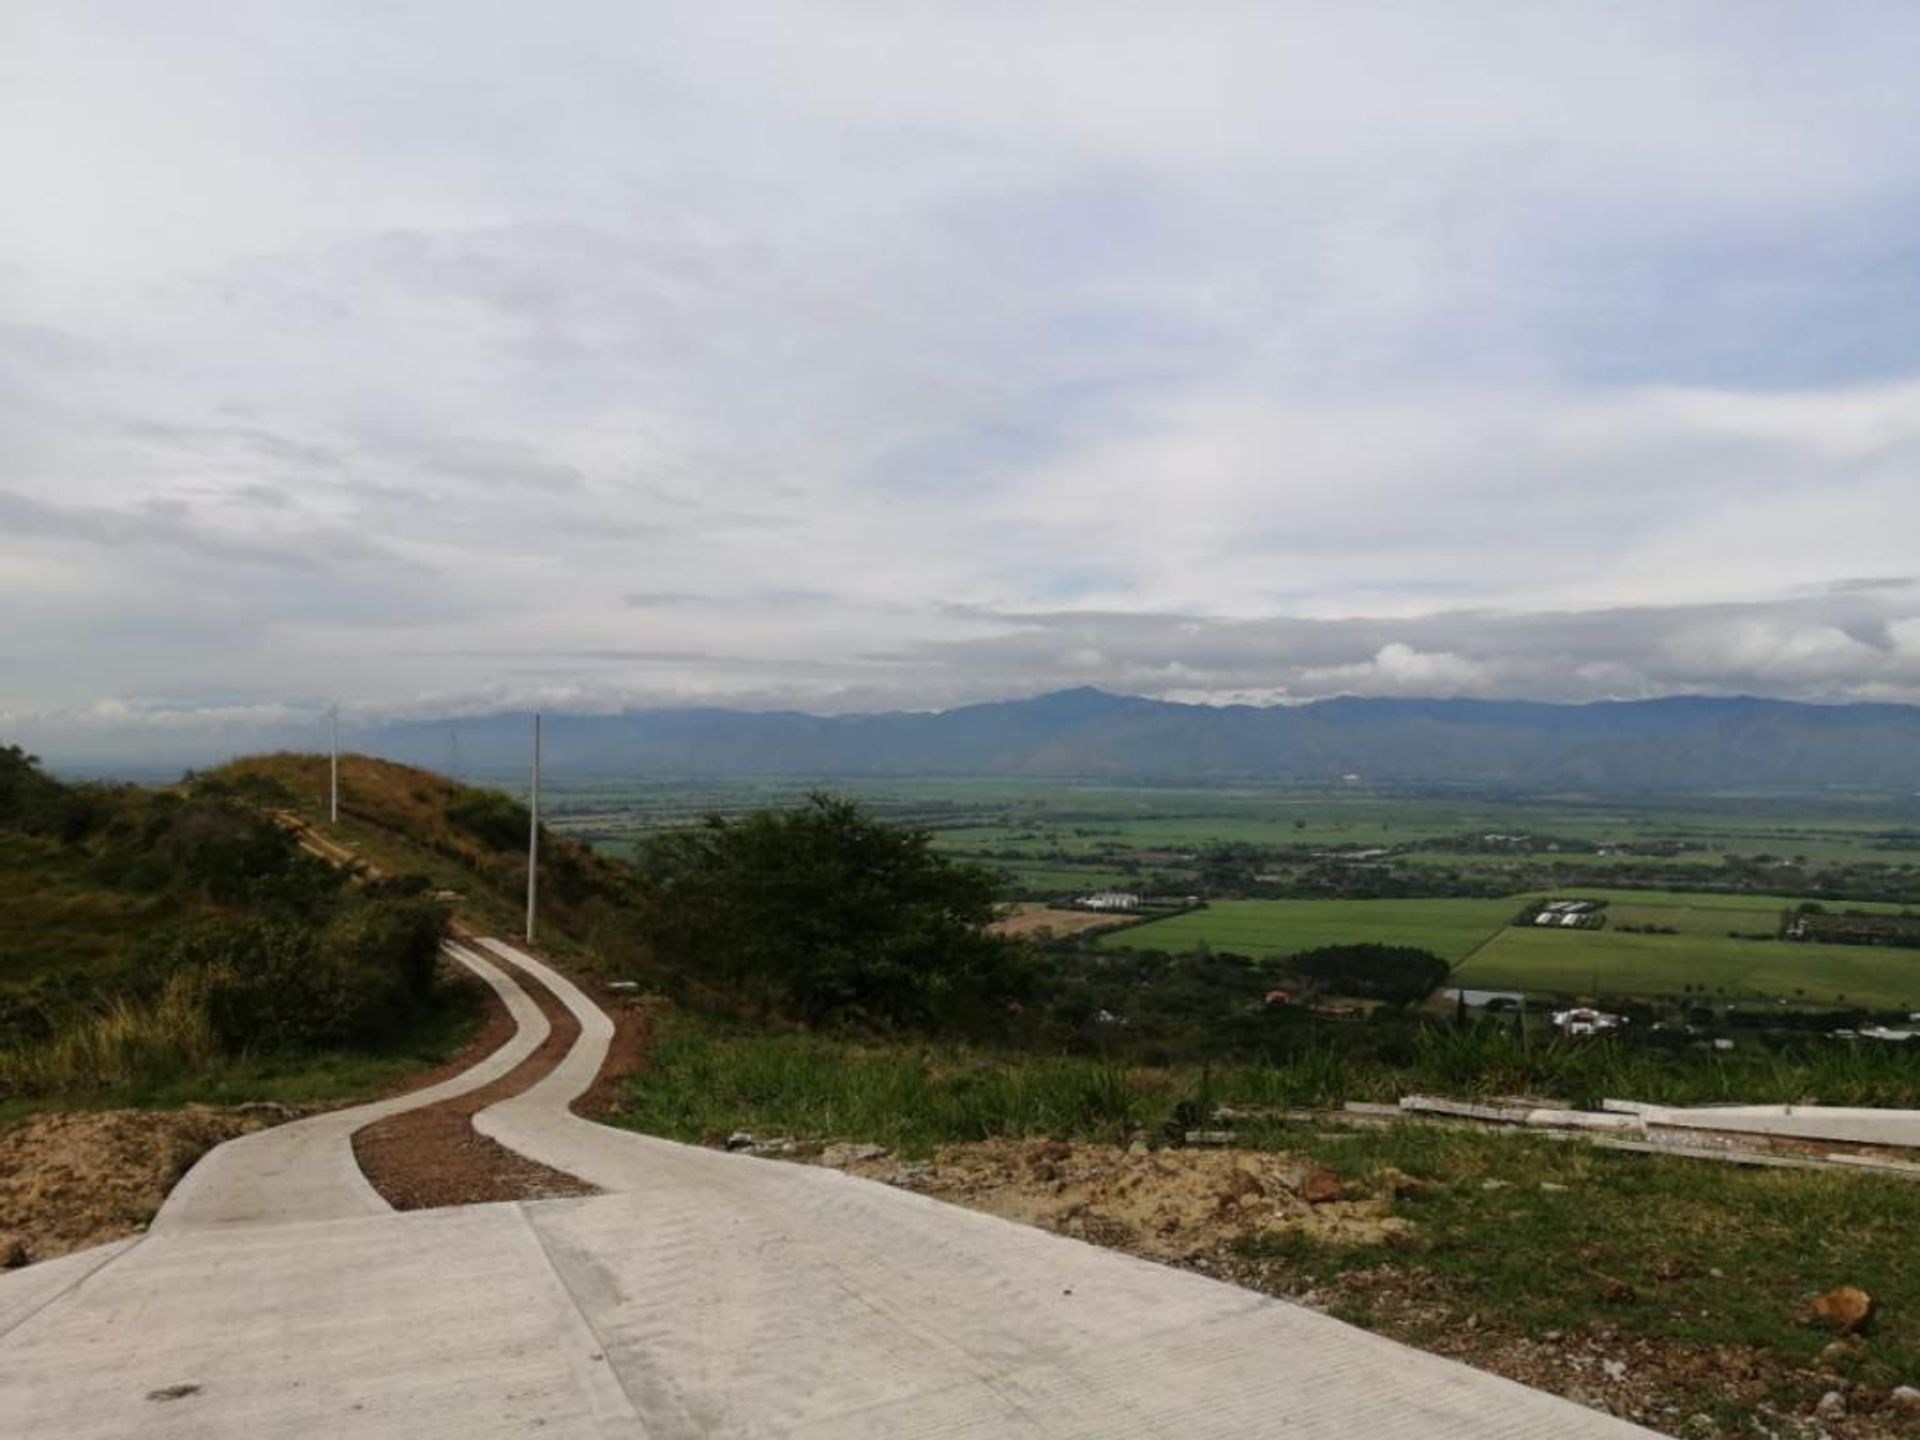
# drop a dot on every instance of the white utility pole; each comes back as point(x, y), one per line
point(333, 767)
point(533, 832)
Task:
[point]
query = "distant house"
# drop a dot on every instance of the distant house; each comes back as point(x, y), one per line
point(1110, 900)
point(1581, 1021)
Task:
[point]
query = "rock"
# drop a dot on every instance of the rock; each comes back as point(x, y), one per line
point(13, 1251)
point(1837, 1350)
point(847, 1153)
point(1493, 1184)
point(907, 1177)
point(1553, 1187)
point(1905, 1397)
point(1321, 1186)
point(1831, 1406)
point(1209, 1137)
point(1617, 1292)
point(770, 1147)
point(1139, 1148)
point(739, 1140)
point(1240, 1184)
point(1400, 1185)
point(1845, 1308)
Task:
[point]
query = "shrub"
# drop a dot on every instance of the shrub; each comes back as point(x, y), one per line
point(829, 914)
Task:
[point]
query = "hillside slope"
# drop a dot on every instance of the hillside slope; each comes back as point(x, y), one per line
point(468, 841)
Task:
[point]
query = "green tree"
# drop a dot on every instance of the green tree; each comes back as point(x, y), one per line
point(831, 915)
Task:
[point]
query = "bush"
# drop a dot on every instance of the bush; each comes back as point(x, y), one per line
point(359, 982)
point(1397, 974)
point(828, 914)
point(497, 821)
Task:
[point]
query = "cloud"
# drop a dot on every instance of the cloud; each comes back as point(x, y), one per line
point(869, 358)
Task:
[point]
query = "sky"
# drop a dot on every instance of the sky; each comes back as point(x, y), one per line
point(449, 358)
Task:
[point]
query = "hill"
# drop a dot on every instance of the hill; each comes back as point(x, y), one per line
point(1682, 743)
point(466, 841)
point(175, 937)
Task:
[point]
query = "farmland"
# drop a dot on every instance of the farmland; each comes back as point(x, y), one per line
point(1696, 888)
point(1452, 929)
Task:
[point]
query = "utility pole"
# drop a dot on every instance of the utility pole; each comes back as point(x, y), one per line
point(533, 832)
point(333, 766)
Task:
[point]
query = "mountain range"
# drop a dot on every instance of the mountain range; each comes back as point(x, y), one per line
point(1680, 743)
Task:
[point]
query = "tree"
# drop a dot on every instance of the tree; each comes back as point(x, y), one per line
point(1397, 974)
point(829, 914)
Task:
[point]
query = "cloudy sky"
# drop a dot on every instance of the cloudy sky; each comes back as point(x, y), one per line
point(452, 357)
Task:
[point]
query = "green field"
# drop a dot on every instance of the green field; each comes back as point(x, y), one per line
point(1701, 958)
point(1608, 963)
point(1449, 928)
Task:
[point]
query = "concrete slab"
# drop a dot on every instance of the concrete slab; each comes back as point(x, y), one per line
point(305, 1170)
point(437, 1325)
point(715, 1295)
point(1859, 1125)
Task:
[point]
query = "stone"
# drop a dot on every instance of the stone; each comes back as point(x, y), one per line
point(1553, 1187)
point(1831, 1406)
point(1493, 1184)
point(1321, 1186)
point(1905, 1397)
point(739, 1140)
point(848, 1153)
point(1615, 1370)
point(1845, 1308)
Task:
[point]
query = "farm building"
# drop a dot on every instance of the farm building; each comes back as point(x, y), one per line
point(1110, 900)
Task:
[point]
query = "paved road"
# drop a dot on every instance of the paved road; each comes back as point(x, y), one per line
point(707, 1295)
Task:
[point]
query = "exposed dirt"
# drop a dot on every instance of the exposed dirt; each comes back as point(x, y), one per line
point(70, 1180)
point(433, 1157)
point(1228, 1213)
point(1032, 920)
point(1178, 1205)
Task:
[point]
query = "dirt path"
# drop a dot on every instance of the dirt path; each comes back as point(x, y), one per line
point(427, 1158)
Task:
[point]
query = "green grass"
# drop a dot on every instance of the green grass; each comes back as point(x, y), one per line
point(702, 1082)
point(54, 915)
point(701, 1085)
point(1712, 1255)
point(315, 1079)
point(1262, 928)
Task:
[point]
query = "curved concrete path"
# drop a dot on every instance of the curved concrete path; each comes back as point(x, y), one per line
point(714, 1295)
point(305, 1170)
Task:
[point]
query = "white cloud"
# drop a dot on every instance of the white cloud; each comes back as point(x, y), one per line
point(386, 354)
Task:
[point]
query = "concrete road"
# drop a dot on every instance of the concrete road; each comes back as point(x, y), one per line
point(709, 1295)
point(306, 1170)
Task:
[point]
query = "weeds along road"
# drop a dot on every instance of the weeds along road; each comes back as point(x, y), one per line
point(703, 1294)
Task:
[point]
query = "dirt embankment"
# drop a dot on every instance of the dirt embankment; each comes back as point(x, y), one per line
point(1173, 1205)
point(76, 1179)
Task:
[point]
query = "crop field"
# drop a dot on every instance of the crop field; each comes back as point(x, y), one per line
point(1450, 928)
point(1607, 962)
point(1702, 957)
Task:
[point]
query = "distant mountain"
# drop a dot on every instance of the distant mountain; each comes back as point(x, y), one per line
point(1676, 744)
